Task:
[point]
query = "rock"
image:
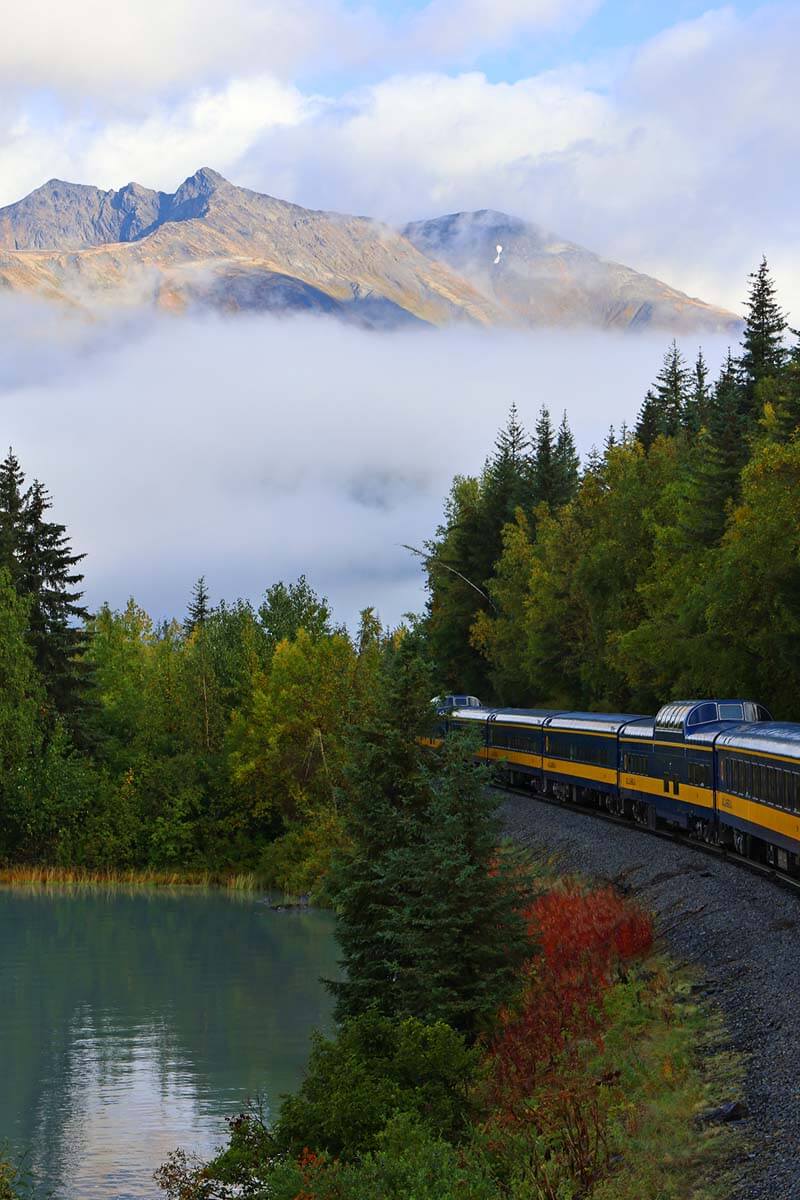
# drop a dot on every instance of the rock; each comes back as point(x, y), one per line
point(732, 1110)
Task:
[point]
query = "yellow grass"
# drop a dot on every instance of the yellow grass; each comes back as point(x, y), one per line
point(78, 877)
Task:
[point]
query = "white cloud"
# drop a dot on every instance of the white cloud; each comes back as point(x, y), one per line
point(255, 449)
point(678, 158)
point(155, 46)
point(208, 128)
point(458, 29)
point(86, 47)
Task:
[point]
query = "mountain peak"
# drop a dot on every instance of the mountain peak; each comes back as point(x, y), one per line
point(203, 182)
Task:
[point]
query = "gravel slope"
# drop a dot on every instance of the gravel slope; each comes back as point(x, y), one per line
point(742, 934)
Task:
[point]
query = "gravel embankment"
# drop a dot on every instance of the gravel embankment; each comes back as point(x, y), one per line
point(741, 934)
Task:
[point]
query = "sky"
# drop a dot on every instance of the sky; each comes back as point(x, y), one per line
point(663, 135)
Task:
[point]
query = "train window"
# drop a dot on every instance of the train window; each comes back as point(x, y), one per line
point(706, 712)
point(731, 712)
point(636, 764)
point(699, 774)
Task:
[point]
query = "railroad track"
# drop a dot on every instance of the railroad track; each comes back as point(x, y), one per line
point(779, 878)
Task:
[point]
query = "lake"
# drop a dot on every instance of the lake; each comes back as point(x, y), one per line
point(136, 1021)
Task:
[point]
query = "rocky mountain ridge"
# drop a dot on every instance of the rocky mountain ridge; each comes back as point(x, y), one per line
point(212, 244)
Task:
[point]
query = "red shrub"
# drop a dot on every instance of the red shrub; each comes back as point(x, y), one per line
point(560, 1016)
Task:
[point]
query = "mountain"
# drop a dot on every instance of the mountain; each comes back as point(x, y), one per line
point(539, 279)
point(211, 244)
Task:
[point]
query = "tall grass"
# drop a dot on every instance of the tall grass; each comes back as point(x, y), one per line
point(84, 877)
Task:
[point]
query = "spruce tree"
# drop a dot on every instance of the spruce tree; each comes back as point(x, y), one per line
point(47, 576)
point(671, 390)
point(648, 424)
point(594, 463)
point(764, 352)
point(198, 608)
point(545, 471)
point(567, 464)
point(696, 406)
point(717, 460)
point(13, 497)
point(37, 555)
point(505, 486)
point(428, 913)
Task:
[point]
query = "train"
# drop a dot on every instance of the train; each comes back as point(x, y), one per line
point(722, 771)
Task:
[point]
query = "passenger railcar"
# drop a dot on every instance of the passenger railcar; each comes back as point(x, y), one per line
point(721, 770)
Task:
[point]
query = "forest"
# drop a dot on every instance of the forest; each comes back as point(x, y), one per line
point(220, 742)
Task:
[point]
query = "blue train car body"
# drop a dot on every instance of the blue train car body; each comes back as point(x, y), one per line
point(721, 770)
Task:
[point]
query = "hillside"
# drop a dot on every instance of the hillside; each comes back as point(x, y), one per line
point(537, 278)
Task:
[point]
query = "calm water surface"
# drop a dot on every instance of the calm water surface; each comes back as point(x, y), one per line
point(135, 1022)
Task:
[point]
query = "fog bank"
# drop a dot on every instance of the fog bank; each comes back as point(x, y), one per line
point(255, 449)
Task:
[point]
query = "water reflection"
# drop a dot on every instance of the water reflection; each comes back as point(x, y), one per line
point(131, 1023)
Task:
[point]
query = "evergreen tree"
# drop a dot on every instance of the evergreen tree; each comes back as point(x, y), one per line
point(13, 497)
point(47, 576)
point(567, 464)
point(781, 398)
point(594, 463)
point(696, 406)
point(505, 486)
point(429, 912)
point(716, 462)
point(545, 471)
point(764, 353)
point(610, 439)
point(671, 390)
point(198, 609)
point(648, 424)
point(664, 404)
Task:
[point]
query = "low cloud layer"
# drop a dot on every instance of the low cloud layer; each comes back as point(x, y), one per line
point(256, 449)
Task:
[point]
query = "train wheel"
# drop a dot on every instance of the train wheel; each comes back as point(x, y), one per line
point(741, 843)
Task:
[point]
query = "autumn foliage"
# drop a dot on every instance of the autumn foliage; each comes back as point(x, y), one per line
point(547, 1082)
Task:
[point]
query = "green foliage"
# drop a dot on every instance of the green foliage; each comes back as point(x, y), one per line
point(376, 1068)
point(429, 910)
point(198, 607)
point(522, 473)
point(409, 1161)
point(670, 571)
point(41, 567)
point(763, 348)
point(287, 609)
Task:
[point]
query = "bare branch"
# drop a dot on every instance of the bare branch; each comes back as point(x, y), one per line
point(430, 558)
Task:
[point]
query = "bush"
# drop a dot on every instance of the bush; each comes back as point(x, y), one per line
point(374, 1070)
point(409, 1162)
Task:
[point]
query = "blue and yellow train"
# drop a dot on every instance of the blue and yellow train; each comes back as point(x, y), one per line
point(722, 770)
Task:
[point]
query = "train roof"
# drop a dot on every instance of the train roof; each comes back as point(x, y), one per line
point(640, 727)
point(706, 734)
point(524, 716)
point(469, 714)
point(767, 737)
point(593, 722)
